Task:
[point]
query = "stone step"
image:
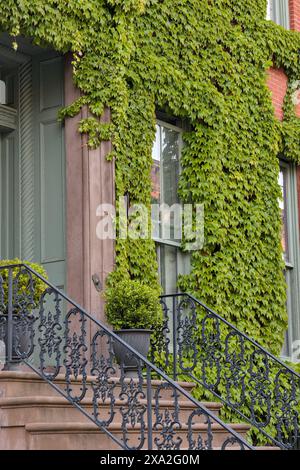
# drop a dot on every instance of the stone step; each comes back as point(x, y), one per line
point(71, 436)
point(20, 383)
point(235, 447)
point(35, 416)
point(17, 411)
point(267, 448)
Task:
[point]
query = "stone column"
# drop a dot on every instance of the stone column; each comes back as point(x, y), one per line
point(89, 182)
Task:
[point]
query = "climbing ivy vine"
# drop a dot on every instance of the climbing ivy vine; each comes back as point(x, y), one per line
point(205, 62)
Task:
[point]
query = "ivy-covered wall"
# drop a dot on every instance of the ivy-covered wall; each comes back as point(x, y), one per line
point(205, 62)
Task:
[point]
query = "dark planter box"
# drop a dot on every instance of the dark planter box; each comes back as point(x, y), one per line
point(21, 343)
point(138, 340)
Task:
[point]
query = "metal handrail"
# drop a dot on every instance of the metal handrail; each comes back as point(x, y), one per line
point(187, 329)
point(233, 327)
point(102, 368)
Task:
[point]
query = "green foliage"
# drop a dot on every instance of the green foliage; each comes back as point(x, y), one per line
point(290, 142)
point(294, 366)
point(39, 285)
point(205, 62)
point(132, 304)
point(237, 371)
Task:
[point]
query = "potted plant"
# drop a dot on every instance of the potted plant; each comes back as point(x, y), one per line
point(23, 303)
point(133, 310)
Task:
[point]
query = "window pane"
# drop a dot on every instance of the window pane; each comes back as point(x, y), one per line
point(165, 177)
point(155, 172)
point(269, 10)
point(167, 260)
point(283, 209)
point(278, 11)
point(170, 162)
point(166, 225)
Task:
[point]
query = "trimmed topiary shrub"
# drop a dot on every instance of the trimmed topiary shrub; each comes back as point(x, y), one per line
point(23, 281)
point(132, 304)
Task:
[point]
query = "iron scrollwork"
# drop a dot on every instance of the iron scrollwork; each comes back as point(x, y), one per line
point(2, 295)
point(133, 408)
point(254, 384)
point(235, 363)
point(103, 385)
point(160, 341)
point(167, 422)
point(186, 335)
point(287, 388)
point(197, 440)
point(50, 327)
point(75, 349)
point(136, 406)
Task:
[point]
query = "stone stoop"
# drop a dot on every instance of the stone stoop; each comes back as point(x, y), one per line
point(59, 436)
point(17, 384)
point(33, 416)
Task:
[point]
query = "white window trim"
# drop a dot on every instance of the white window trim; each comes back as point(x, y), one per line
point(165, 242)
point(269, 10)
point(293, 264)
point(180, 145)
point(278, 11)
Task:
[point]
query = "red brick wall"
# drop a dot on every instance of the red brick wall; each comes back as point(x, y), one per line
point(298, 105)
point(294, 7)
point(277, 82)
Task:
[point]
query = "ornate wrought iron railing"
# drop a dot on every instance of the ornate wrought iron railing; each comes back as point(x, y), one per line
point(75, 354)
point(198, 344)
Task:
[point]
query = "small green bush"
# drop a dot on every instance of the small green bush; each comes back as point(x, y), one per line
point(132, 304)
point(39, 285)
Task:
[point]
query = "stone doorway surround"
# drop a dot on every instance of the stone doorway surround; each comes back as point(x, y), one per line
point(89, 182)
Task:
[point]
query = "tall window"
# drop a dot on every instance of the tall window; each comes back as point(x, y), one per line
point(167, 228)
point(290, 245)
point(278, 11)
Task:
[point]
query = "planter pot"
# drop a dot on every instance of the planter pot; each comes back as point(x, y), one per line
point(138, 340)
point(20, 345)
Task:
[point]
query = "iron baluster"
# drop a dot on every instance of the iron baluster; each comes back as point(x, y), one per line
point(74, 353)
point(197, 441)
point(174, 330)
point(149, 409)
point(254, 384)
point(10, 319)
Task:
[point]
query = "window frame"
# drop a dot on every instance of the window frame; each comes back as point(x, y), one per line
point(292, 265)
point(183, 261)
point(278, 11)
point(180, 131)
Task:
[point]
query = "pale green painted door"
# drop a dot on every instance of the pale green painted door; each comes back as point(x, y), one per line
point(8, 176)
point(32, 168)
point(48, 98)
point(7, 196)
